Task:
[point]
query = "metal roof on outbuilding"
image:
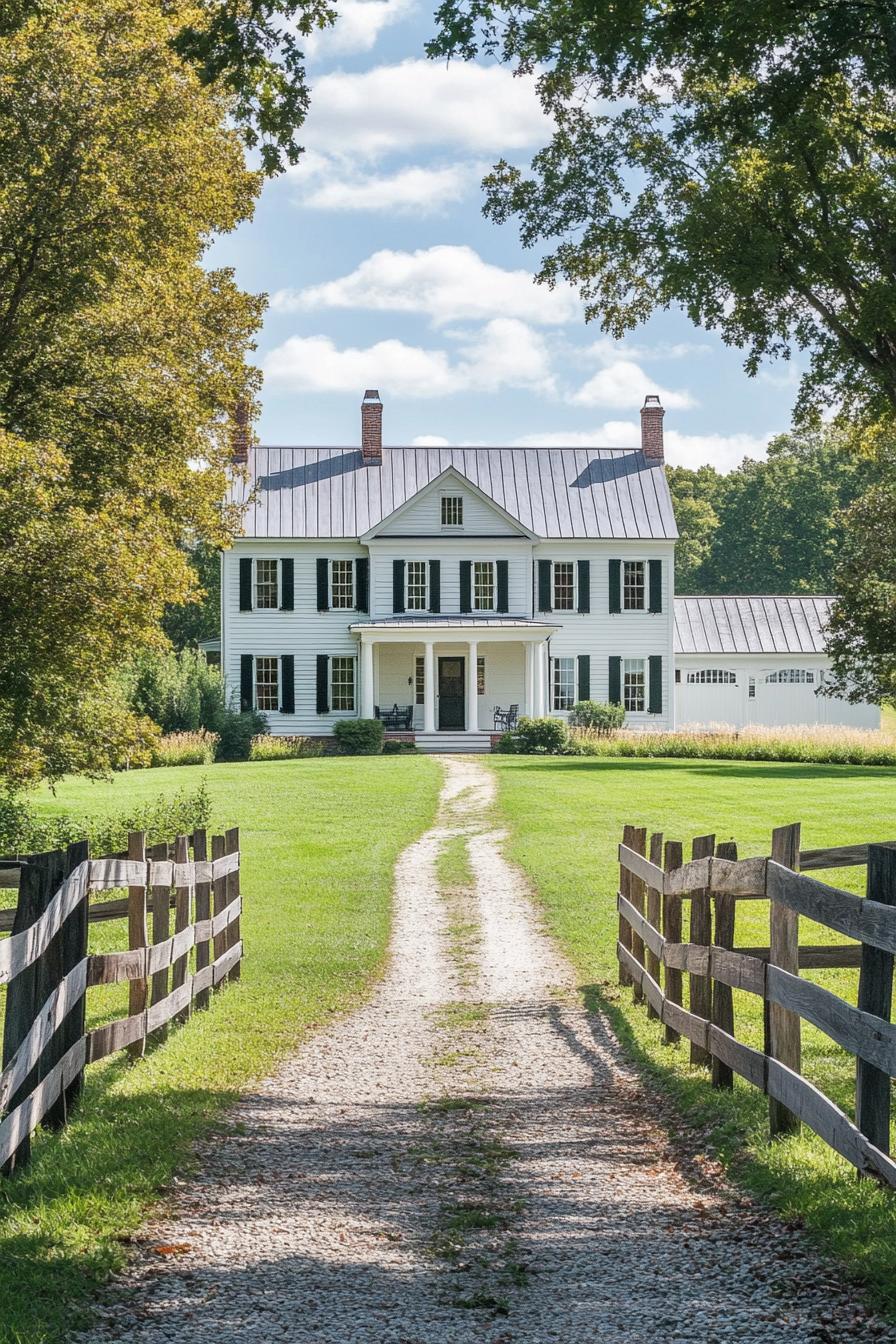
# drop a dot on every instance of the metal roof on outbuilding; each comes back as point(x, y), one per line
point(751, 624)
point(566, 493)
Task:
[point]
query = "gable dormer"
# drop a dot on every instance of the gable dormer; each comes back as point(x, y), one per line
point(450, 506)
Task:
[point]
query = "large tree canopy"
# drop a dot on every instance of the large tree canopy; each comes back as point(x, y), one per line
point(735, 159)
point(121, 356)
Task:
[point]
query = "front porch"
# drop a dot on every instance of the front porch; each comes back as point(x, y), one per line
point(453, 674)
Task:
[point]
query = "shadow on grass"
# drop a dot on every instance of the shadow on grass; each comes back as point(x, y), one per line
point(730, 769)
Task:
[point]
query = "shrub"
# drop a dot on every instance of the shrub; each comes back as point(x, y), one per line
point(24, 831)
point(185, 748)
point(235, 733)
point(178, 691)
point(600, 718)
point(266, 747)
point(536, 737)
point(359, 737)
point(393, 746)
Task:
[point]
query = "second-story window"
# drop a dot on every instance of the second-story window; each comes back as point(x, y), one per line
point(564, 585)
point(483, 585)
point(415, 598)
point(452, 511)
point(266, 596)
point(633, 585)
point(343, 585)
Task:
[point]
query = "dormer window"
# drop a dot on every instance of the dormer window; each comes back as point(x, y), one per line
point(452, 511)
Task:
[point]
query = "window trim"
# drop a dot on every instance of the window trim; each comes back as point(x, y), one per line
point(627, 669)
point(424, 564)
point(575, 586)
point(349, 606)
point(350, 658)
point(445, 498)
point(278, 583)
point(556, 683)
point(271, 658)
point(645, 584)
point(494, 586)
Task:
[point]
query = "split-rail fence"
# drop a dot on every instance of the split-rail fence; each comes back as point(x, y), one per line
point(48, 971)
point(655, 886)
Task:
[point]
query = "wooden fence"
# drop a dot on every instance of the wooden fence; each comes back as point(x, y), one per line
point(652, 894)
point(48, 970)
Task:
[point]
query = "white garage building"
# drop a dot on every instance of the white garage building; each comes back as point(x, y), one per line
point(756, 660)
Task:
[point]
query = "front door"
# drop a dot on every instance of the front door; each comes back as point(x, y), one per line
point(451, 693)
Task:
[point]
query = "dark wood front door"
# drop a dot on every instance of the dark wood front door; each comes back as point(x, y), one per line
point(451, 693)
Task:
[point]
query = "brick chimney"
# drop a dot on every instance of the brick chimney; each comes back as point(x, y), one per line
point(239, 435)
point(652, 429)
point(372, 428)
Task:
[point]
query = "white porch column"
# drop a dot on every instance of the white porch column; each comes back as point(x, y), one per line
point(544, 657)
point(429, 697)
point(528, 695)
point(538, 698)
point(472, 684)
point(366, 678)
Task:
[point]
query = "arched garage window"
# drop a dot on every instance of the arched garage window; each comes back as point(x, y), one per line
point(791, 675)
point(712, 676)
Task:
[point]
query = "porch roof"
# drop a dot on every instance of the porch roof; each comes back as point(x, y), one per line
point(440, 625)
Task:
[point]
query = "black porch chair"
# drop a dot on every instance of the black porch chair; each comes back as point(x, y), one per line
point(397, 719)
point(506, 719)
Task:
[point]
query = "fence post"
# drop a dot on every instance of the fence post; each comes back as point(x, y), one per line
point(700, 996)
point(654, 915)
point(138, 935)
point(783, 1026)
point(639, 845)
point(722, 996)
point(672, 934)
point(625, 889)
point(181, 921)
point(232, 891)
point(875, 996)
point(161, 928)
point(72, 941)
point(219, 892)
point(203, 911)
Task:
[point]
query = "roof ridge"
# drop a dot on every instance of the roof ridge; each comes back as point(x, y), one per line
point(447, 447)
point(750, 597)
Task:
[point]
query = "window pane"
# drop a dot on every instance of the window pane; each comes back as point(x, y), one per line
point(343, 683)
point(266, 584)
point(564, 585)
point(791, 675)
point(483, 586)
point(563, 683)
point(343, 595)
point(416, 585)
point(633, 585)
point(452, 510)
point(712, 676)
point(633, 685)
point(267, 693)
point(419, 683)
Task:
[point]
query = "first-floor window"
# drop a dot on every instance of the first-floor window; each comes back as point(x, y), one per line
point(564, 585)
point(633, 585)
point(343, 683)
point(633, 685)
point(483, 586)
point(266, 584)
point(563, 683)
point(416, 586)
point(342, 597)
point(480, 676)
point(267, 683)
point(419, 682)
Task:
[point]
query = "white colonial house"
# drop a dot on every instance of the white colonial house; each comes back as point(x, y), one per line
point(452, 584)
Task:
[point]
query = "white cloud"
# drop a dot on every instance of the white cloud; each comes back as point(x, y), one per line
point(485, 109)
point(507, 353)
point(606, 350)
point(357, 28)
point(446, 283)
point(430, 441)
point(722, 451)
point(417, 191)
point(623, 384)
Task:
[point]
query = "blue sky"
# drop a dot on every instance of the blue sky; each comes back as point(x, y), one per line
point(382, 272)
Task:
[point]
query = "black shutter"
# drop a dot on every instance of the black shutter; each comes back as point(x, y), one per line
point(246, 679)
point(362, 584)
point(614, 691)
point(584, 676)
point(398, 585)
point(615, 586)
point(655, 685)
point(466, 585)
point(287, 584)
point(287, 684)
point(584, 585)
point(435, 585)
point(246, 584)
point(323, 683)
point(503, 586)
point(323, 585)
point(655, 585)
point(544, 585)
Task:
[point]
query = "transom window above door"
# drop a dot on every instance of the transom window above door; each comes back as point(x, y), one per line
point(633, 585)
point(564, 585)
point(342, 594)
point(415, 596)
point(713, 676)
point(791, 675)
point(452, 510)
point(266, 596)
point(484, 585)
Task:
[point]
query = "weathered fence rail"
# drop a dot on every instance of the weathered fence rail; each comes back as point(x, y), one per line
point(48, 970)
point(653, 958)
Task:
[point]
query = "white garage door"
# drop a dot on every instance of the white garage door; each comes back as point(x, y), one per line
point(709, 695)
point(784, 696)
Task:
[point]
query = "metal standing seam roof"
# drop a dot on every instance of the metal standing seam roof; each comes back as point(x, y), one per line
point(600, 493)
point(751, 624)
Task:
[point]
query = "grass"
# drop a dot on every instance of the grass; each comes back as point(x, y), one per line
point(319, 839)
point(817, 744)
point(566, 818)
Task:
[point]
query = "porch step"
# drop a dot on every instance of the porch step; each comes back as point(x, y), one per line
point(454, 742)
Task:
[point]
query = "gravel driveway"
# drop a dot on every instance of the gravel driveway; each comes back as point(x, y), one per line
point(466, 1160)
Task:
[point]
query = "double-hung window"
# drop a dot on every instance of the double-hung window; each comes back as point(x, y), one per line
point(563, 683)
point(452, 511)
point(415, 591)
point(266, 595)
point(634, 684)
point(633, 585)
point(342, 689)
point(267, 682)
point(483, 585)
point(342, 585)
point(564, 585)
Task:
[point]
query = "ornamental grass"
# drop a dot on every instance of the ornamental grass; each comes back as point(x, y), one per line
point(820, 745)
point(185, 748)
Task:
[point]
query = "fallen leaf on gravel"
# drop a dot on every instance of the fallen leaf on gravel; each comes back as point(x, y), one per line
point(173, 1248)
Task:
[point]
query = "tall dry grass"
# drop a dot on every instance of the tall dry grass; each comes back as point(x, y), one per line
point(819, 745)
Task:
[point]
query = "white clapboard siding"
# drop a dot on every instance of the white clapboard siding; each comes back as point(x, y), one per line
point(449, 552)
point(423, 515)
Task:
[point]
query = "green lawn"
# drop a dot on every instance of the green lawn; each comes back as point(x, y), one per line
point(566, 818)
point(319, 839)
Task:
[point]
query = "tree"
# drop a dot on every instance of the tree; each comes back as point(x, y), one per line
point(694, 496)
point(736, 160)
point(121, 358)
point(186, 624)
